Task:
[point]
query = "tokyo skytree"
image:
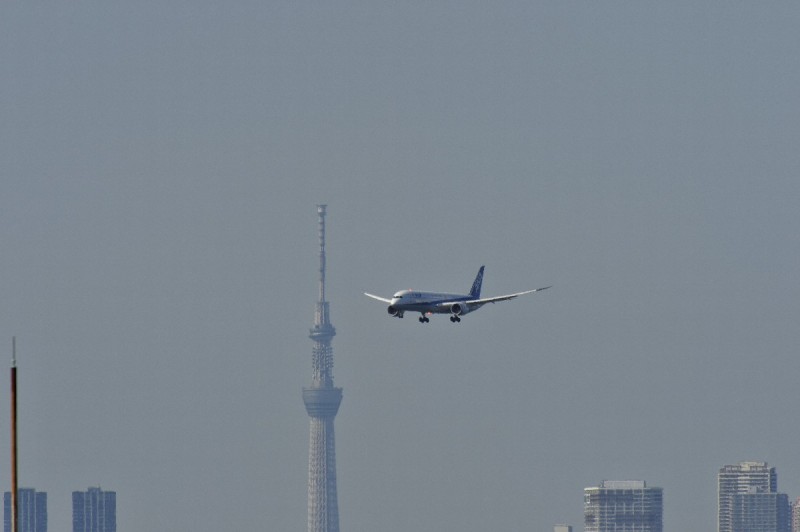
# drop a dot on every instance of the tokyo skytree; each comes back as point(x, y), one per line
point(322, 401)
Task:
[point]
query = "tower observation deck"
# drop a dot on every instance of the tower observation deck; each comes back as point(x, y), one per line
point(322, 401)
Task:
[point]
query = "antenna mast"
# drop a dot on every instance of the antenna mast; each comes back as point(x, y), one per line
point(14, 501)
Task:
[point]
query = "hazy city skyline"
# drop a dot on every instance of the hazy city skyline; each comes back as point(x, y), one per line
point(161, 164)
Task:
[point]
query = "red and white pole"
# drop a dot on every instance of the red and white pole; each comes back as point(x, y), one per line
point(14, 502)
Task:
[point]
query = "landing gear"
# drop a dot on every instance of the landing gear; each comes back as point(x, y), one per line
point(423, 319)
point(455, 319)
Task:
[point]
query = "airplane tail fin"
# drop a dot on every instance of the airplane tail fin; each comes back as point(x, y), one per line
point(475, 291)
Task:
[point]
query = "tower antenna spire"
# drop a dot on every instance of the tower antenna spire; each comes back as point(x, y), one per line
point(321, 210)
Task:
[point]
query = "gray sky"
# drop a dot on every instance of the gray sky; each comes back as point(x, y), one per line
point(159, 169)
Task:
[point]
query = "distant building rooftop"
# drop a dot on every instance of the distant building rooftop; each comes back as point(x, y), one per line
point(623, 484)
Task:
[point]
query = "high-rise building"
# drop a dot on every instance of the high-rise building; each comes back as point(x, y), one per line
point(32, 510)
point(761, 512)
point(796, 515)
point(94, 510)
point(623, 505)
point(745, 477)
point(322, 401)
point(748, 499)
point(562, 528)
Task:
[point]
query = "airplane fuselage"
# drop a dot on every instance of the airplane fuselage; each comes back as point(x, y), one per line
point(424, 302)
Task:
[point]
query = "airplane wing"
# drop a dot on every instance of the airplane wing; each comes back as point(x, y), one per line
point(378, 298)
point(503, 298)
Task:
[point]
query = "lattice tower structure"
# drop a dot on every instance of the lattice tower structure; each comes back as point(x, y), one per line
point(322, 402)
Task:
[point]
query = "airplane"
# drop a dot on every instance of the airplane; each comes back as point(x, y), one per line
point(427, 303)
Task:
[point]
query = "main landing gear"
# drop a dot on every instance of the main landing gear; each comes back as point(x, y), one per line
point(425, 319)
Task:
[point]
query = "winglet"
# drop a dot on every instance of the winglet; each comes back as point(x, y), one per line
point(379, 298)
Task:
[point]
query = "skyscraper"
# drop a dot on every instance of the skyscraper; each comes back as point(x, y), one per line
point(32, 510)
point(94, 510)
point(796, 515)
point(761, 512)
point(623, 505)
point(748, 499)
point(322, 401)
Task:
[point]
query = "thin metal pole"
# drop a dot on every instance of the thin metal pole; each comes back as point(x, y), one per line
point(14, 502)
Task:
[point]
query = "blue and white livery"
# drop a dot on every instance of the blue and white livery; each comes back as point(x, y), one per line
point(427, 303)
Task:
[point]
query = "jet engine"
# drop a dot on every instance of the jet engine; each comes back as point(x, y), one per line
point(394, 312)
point(459, 309)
